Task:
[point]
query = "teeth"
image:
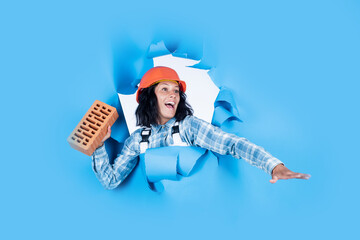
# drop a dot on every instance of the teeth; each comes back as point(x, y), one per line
point(171, 103)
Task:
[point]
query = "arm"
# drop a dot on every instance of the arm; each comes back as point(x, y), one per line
point(109, 175)
point(208, 136)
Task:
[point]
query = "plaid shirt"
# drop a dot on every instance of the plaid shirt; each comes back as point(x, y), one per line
point(193, 131)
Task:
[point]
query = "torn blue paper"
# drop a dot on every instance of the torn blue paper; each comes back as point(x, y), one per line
point(161, 163)
point(189, 49)
point(157, 49)
point(141, 66)
point(168, 163)
point(226, 100)
point(225, 109)
point(226, 115)
point(182, 50)
point(128, 61)
point(221, 115)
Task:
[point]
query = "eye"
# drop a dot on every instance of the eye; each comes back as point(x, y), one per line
point(164, 89)
point(177, 91)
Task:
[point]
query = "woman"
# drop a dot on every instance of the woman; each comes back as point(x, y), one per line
point(167, 119)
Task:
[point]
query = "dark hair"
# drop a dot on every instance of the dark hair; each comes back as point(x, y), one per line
point(147, 110)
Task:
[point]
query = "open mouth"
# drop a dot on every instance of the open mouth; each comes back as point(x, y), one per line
point(170, 105)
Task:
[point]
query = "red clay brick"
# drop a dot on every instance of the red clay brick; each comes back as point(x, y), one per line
point(92, 128)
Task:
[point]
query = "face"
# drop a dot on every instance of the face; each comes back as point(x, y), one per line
point(168, 97)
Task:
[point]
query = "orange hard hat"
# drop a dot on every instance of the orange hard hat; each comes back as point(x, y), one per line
point(157, 74)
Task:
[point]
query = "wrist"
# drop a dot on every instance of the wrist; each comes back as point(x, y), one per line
point(280, 164)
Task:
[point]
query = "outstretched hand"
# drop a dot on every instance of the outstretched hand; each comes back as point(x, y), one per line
point(282, 172)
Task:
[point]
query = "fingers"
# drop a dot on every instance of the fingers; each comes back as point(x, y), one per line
point(274, 179)
point(303, 176)
point(298, 176)
point(108, 134)
point(289, 175)
point(108, 131)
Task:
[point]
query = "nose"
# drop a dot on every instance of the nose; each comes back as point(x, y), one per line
point(172, 94)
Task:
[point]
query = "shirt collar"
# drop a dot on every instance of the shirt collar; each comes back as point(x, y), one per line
point(168, 124)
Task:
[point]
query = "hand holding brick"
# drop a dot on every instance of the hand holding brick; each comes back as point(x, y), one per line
point(92, 128)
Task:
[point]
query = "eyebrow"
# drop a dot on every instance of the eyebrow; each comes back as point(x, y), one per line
point(177, 86)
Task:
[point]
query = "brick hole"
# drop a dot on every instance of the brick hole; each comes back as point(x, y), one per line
point(73, 138)
point(99, 119)
point(78, 136)
point(78, 141)
point(84, 123)
point(84, 143)
point(93, 127)
point(103, 117)
point(98, 124)
point(95, 113)
point(87, 140)
point(92, 132)
point(90, 115)
point(93, 122)
point(104, 113)
point(85, 128)
point(109, 110)
point(103, 107)
point(96, 108)
point(87, 134)
point(98, 105)
point(79, 130)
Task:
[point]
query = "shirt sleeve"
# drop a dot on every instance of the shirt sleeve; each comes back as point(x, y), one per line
point(110, 176)
point(206, 135)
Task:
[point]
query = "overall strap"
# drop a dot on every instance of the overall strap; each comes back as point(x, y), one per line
point(144, 143)
point(175, 133)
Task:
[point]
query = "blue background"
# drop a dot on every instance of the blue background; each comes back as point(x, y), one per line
point(293, 67)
